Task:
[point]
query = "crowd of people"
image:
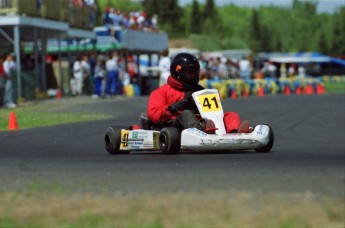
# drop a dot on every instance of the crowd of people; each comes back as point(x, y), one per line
point(102, 75)
point(116, 20)
point(218, 68)
point(106, 74)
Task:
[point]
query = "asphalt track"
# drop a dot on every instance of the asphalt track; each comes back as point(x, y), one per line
point(308, 154)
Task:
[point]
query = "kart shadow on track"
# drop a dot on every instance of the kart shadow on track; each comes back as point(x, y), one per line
point(181, 153)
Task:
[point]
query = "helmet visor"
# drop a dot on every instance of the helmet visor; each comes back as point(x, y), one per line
point(191, 74)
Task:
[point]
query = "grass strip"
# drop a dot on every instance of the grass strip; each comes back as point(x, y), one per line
point(335, 87)
point(30, 117)
point(207, 209)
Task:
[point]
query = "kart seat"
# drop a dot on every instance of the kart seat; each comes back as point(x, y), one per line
point(147, 124)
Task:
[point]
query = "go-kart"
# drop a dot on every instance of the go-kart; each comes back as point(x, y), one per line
point(169, 140)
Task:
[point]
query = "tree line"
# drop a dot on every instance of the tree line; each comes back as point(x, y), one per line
point(264, 29)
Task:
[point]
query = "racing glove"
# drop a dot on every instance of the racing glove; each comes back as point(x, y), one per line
point(188, 96)
point(180, 106)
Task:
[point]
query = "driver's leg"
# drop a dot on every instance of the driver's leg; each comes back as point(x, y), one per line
point(231, 121)
point(187, 119)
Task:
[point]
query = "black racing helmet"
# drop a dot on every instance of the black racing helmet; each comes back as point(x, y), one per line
point(186, 69)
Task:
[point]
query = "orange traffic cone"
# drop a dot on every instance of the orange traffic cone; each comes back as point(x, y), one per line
point(261, 92)
point(233, 94)
point(298, 90)
point(245, 92)
point(309, 89)
point(303, 90)
point(12, 123)
point(287, 90)
point(58, 94)
point(320, 89)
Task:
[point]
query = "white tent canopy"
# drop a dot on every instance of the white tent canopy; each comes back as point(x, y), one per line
point(300, 59)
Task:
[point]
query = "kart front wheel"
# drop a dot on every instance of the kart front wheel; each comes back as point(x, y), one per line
point(112, 140)
point(268, 147)
point(170, 140)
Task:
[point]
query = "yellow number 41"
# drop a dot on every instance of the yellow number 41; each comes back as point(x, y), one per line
point(209, 103)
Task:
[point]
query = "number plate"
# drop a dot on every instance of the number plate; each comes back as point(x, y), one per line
point(124, 139)
point(209, 103)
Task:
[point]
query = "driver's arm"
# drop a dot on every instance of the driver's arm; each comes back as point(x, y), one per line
point(157, 110)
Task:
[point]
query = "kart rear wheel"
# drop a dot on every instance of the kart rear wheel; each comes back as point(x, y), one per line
point(112, 140)
point(268, 147)
point(170, 140)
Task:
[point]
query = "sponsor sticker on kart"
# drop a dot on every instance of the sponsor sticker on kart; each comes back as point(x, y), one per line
point(263, 130)
point(209, 103)
point(134, 134)
point(196, 132)
point(138, 140)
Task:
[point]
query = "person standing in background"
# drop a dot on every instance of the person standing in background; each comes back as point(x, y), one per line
point(112, 73)
point(164, 67)
point(2, 79)
point(99, 77)
point(9, 68)
point(301, 71)
point(87, 76)
point(272, 69)
point(123, 75)
point(77, 79)
point(283, 70)
point(132, 69)
point(222, 70)
point(291, 70)
point(245, 68)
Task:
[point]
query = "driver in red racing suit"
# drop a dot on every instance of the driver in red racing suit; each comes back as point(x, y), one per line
point(172, 104)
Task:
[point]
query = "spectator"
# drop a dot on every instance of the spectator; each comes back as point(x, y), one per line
point(203, 65)
point(259, 74)
point(2, 78)
point(102, 59)
point(108, 22)
point(38, 6)
point(301, 71)
point(148, 24)
point(9, 68)
point(92, 63)
point(117, 20)
point(77, 78)
point(99, 76)
point(222, 70)
point(92, 14)
point(283, 70)
point(125, 20)
point(232, 68)
point(291, 70)
point(112, 74)
point(164, 67)
point(154, 21)
point(272, 69)
point(265, 71)
point(87, 77)
point(133, 21)
point(245, 68)
point(212, 68)
point(123, 75)
point(132, 69)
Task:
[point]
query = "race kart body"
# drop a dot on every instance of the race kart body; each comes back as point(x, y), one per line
point(169, 140)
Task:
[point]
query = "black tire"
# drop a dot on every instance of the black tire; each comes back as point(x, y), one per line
point(112, 140)
point(170, 140)
point(268, 147)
